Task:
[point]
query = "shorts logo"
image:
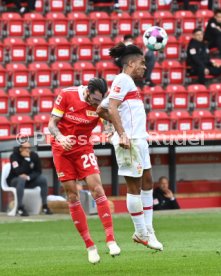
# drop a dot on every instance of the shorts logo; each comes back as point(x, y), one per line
point(60, 174)
point(139, 168)
point(91, 113)
point(117, 89)
point(58, 100)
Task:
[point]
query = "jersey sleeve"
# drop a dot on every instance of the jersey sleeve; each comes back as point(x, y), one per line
point(59, 105)
point(105, 102)
point(119, 88)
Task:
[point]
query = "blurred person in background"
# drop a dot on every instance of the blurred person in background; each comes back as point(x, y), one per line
point(198, 58)
point(163, 197)
point(212, 34)
point(26, 173)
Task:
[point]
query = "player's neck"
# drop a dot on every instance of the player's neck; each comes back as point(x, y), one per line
point(128, 72)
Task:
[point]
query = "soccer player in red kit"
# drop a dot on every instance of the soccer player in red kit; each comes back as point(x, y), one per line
point(72, 120)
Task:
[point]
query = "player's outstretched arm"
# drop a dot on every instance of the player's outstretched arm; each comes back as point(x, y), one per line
point(116, 121)
point(65, 141)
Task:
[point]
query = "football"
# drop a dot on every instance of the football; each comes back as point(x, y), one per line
point(155, 38)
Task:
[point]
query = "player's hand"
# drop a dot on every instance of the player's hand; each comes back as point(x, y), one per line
point(66, 141)
point(168, 194)
point(124, 141)
point(24, 176)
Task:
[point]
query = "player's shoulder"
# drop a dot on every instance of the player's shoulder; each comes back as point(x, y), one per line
point(122, 77)
point(72, 89)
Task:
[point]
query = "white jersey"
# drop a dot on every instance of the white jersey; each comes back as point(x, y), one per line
point(132, 113)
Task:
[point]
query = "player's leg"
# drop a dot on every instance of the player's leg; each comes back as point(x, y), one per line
point(80, 220)
point(95, 186)
point(147, 200)
point(135, 208)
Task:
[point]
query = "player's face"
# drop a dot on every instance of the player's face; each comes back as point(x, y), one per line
point(139, 67)
point(95, 98)
point(218, 17)
point(198, 36)
point(164, 185)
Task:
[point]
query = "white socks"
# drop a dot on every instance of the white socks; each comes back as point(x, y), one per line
point(147, 202)
point(135, 208)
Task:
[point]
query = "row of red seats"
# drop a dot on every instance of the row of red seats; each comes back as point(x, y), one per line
point(156, 121)
point(100, 23)
point(182, 121)
point(177, 97)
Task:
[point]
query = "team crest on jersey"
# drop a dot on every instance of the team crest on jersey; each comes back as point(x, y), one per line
point(58, 100)
point(91, 113)
point(117, 89)
point(60, 174)
point(139, 168)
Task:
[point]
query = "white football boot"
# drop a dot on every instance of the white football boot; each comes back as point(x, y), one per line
point(153, 243)
point(114, 249)
point(93, 256)
point(138, 238)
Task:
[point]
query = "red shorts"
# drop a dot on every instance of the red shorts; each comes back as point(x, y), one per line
point(75, 164)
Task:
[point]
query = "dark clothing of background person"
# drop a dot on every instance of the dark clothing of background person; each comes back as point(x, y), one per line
point(198, 60)
point(30, 166)
point(19, 5)
point(213, 34)
point(160, 202)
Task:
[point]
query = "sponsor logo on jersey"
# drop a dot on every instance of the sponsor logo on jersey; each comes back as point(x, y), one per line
point(60, 174)
point(58, 100)
point(117, 89)
point(91, 113)
point(77, 119)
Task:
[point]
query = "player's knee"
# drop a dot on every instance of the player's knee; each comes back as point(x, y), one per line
point(97, 191)
point(73, 196)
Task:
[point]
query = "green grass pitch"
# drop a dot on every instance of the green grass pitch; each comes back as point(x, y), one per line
point(192, 246)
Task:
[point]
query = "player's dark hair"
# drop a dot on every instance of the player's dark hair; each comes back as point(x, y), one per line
point(216, 11)
point(126, 37)
point(196, 30)
point(97, 84)
point(125, 53)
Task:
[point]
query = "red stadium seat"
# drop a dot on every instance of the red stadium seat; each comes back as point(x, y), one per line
point(166, 20)
point(3, 77)
point(5, 127)
point(16, 49)
point(78, 5)
point(199, 96)
point(203, 120)
point(43, 98)
point(178, 97)
point(215, 92)
point(21, 100)
point(158, 121)
point(35, 24)
point(38, 49)
point(57, 5)
point(121, 23)
point(100, 23)
point(18, 75)
point(4, 104)
point(101, 46)
point(60, 49)
point(186, 22)
point(41, 123)
point(172, 48)
point(162, 6)
point(181, 120)
point(22, 124)
point(183, 44)
point(142, 5)
point(83, 72)
point(40, 74)
point(12, 24)
point(107, 70)
point(141, 21)
point(202, 17)
point(157, 98)
point(57, 24)
point(63, 74)
point(40, 6)
point(157, 74)
point(2, 57)
point(174, 71)
point(82, 48)
point(78, 24)
point(217, 115)
point(139, 42)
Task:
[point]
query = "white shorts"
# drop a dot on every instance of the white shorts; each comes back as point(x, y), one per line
point(132, 162)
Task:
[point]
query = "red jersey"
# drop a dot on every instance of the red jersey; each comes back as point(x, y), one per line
point(78, 118)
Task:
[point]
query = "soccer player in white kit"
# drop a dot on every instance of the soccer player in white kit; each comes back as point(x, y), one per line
point(125, 109)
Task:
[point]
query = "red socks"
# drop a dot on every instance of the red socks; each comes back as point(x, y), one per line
point(105, 217)
point(80, 221)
